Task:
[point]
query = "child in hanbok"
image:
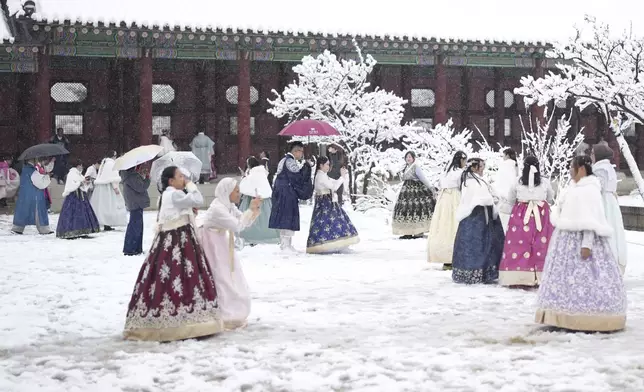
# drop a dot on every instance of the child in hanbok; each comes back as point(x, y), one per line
point(603, 169)
point(506, 177)
point(582, 288)
point(217, 229)
point(77, 218)
point(529, 230)
point(107, 200)
point(479, 238)
point(415, 204)
point(442, 229)
point(31, 206)
point(331, 229)
point(255, 185)
point(174, 296)
point(136, 182)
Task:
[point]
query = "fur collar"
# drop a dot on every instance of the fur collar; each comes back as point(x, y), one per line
point(582, 208)
point(474, 193)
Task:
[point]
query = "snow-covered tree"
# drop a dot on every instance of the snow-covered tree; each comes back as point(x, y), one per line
point(602, 69)
point(554, 151)
point(337, 91)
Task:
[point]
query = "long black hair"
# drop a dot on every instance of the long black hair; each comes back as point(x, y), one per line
point(319, 161)
point(167, 174)
point(510, 153)
point(530, 160)
point(252, 162)
point(456, 161)
point(472, 163)
point(585, 161)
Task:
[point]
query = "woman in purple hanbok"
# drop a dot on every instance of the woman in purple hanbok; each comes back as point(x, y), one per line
point(529, 228)
point(77, 218)
point(582, 288)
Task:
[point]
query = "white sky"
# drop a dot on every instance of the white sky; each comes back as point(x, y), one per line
point(475, 19)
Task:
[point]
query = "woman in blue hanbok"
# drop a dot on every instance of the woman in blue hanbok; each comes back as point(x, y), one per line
point(479, 239)
point(331, 229)
point(292, 183)
point(255, 185)
point(77, 218)
point(31, 206)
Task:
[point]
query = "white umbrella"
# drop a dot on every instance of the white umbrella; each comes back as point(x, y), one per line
point(185, 160)
point(137, 156)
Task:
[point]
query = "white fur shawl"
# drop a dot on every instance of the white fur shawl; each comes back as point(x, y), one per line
point(582, 208)
point(255, 184)
point(74, 181)
point(474, 193)
point(107, 174)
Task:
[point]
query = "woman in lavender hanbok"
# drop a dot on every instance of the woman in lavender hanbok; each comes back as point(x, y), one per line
point(415, 205)
point(174, 297)
point(602, 168)
point(529, 228)
point(217, 229)
point(582, 288)
point(331, 229)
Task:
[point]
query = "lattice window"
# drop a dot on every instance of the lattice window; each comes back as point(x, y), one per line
point(68, 92)
point(162, 93)
point(508, 98)
point(422, 98)
point(490, 125)
point(489, 98)
point(71, 124)
point(426, 123)
point(160, 123)
point(232, 95)
point(507, 127)
point(233, 125)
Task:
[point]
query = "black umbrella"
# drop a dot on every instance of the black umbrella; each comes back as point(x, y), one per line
point(42, 151)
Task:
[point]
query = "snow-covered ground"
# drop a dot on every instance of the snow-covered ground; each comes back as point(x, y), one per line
point(377, 319)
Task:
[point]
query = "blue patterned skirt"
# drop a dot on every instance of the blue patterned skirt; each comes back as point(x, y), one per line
point(331, 229)
point(77, 218)
point(478, 248)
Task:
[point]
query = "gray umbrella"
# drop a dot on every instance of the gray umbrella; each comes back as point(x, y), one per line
point(42, 151)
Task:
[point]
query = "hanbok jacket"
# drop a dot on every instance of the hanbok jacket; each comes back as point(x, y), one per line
point(31, 199)
point(291, 185)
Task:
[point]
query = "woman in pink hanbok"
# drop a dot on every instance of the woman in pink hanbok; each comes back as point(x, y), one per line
point(529, 228)
point(216, 232)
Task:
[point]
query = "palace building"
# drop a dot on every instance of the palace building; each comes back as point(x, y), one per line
point(114, 86)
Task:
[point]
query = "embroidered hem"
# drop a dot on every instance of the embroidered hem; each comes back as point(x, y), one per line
point(581, 322)
point(177, 333)
point(519, 278)
point(410, 228)
point(76, 233)
point(332, 246)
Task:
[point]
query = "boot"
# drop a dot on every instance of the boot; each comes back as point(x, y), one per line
point(286, 244)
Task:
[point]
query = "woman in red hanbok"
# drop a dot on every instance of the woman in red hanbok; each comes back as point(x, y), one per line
point(174, 296)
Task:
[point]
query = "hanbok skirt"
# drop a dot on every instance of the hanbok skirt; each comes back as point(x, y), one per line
point(618, 240)
point(526, 245)
point(233, 296)
point(413, 209)
point(331, 229)
point(577, 294)
point(442, 229)
point(174, 296)
point(259, 233)
point(478, 247)
point(77, 218)
point(108, 206)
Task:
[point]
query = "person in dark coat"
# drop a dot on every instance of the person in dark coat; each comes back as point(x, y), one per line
point(337, 161)
point(266, 162)
point(136, 182)
point(60, 166)
point(292, 184)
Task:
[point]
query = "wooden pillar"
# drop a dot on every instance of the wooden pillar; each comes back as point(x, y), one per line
point(145, 99)
point(466, 78)
point(499, 107)
point(537, 111)
point(200, 104)
point(440, 112)
point(43, 101)
point(243, 109)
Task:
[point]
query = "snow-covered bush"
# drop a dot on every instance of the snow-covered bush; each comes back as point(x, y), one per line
point(604, 70)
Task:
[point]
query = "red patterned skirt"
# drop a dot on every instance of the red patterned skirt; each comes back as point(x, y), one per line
point(174, 296)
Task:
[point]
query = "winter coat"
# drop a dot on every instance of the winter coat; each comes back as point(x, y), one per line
point(135, 190)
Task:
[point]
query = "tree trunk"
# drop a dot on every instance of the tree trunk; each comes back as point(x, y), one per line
point(632, 165)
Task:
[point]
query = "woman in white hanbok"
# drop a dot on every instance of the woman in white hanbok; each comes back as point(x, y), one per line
point(216, 232)
point(107, 200)
point(505, 179)
point(602, 169)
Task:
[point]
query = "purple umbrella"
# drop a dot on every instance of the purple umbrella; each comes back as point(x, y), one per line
point(309, 128)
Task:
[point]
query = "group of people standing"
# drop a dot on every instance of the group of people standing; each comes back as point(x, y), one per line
point(575, 253)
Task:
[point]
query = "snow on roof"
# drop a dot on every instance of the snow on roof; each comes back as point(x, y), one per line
point(500, 20)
